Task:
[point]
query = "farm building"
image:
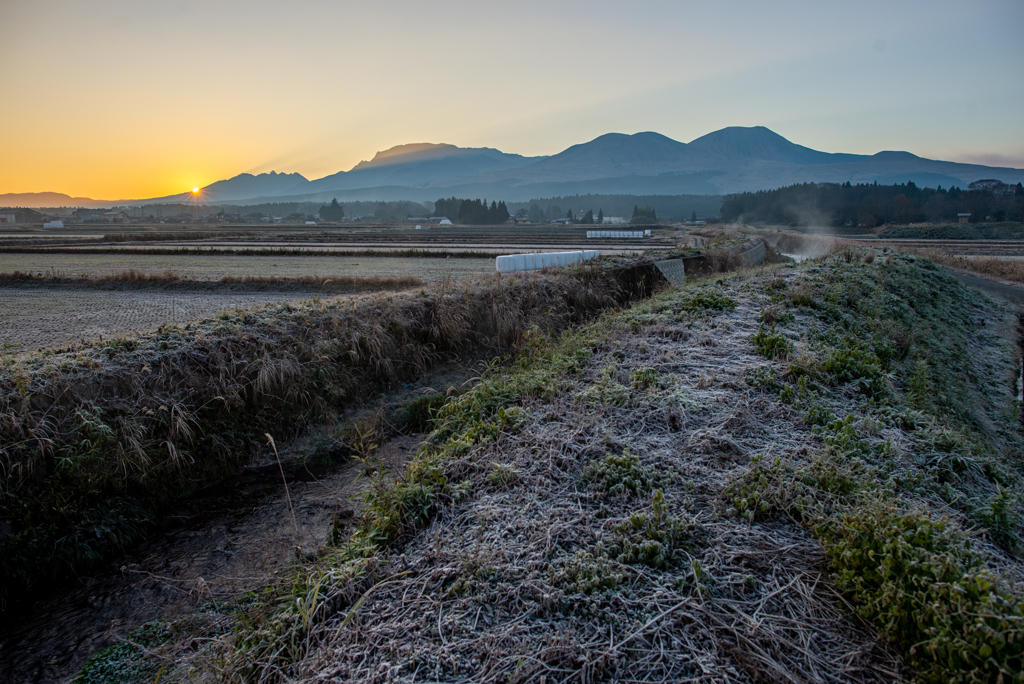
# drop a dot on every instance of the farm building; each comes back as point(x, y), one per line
point(964, 217)
point(20, 216)
point(101, 216)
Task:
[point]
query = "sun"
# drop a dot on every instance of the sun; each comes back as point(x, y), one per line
point(195, 190)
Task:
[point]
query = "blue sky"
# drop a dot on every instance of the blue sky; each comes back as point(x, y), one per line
point(142, 97)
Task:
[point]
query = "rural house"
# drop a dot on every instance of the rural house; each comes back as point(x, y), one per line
point(20, 216)
point(100, 216)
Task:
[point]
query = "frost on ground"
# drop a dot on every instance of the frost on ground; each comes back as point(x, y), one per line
point(550, 573)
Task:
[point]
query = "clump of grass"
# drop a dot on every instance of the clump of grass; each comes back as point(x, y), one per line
point(586, 573)
point(770, 344)
point(651, 539)
point(127, 661)
point(802, 297)
point(772, 315)
point(606, 390)
point(645, 378)
point(621, 475)
point(419, 414)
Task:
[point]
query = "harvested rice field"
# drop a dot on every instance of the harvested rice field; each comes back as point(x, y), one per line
point(36, 318)
point(215, 267)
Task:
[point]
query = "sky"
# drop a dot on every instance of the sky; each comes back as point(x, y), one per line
point(125, 99)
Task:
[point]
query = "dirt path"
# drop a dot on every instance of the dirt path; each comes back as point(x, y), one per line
point(231, 537)
point(1001, 289)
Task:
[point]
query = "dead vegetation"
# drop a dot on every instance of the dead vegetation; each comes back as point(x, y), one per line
point(1007, 268)
point(94, 436)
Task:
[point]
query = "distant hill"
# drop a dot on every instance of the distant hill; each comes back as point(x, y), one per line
point(762, 144)
point(734, 159)
point(407, 165)
point(246, 185)
point(47, 199)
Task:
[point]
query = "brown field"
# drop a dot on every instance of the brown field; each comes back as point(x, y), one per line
point(202, 267)
point(46, 317)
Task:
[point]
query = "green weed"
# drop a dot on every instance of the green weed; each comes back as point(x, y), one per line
point(770, 344)
point(621, 475)
point(651, 539)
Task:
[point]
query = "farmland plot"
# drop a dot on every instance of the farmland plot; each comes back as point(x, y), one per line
point(46, 317)
point(215, 267)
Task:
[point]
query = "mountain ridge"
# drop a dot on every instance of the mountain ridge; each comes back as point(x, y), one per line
point(731, 159)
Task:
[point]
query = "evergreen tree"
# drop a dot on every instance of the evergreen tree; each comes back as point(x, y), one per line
point(568, 215)
point(332, 211)
point(536, 213)
point(600, 216)
point(588, 218)
point(693, 216)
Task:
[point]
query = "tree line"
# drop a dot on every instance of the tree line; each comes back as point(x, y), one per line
point(870, 205)
point(670, 208)
point(471, 212)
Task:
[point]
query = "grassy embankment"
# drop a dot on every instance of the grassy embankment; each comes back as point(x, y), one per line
point(641, 494)
point(95, 438)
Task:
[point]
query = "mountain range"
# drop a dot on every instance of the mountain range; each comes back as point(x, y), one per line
point(733, 159)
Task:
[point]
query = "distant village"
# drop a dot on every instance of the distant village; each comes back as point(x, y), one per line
point(57, 218)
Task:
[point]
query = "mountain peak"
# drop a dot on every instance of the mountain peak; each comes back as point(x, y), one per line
point(400, 154)
point(421, 152)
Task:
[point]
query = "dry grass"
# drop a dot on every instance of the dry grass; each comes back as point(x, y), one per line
point(499, 555)
point(1006, 268)
point(191, 403)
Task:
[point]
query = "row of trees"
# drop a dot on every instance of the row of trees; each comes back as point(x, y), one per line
point(644, 214)
point(588, 219)
point(471, 212)
point(873, 205)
